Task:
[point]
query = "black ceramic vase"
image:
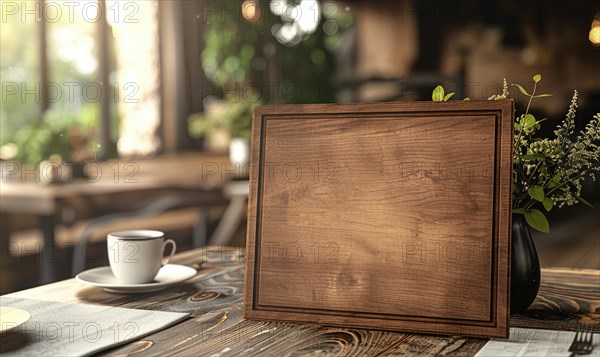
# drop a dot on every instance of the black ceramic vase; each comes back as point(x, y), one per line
point(525, 266)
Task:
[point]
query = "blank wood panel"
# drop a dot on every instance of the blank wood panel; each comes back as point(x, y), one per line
point(390, 216)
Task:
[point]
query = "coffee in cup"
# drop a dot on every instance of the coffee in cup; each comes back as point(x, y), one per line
point(136, 256)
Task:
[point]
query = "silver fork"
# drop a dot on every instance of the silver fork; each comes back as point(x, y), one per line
point(582, 343)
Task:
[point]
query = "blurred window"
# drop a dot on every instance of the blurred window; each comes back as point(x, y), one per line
point(70, 70)
point(19, 71)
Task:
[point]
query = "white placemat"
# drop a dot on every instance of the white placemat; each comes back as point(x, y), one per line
point(527, 342)
point(58, 329)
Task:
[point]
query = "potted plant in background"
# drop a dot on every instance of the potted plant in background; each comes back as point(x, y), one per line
point(548, 173)
point(267, 56)
point(226, 124)
point(59, 144)
point(227, 62)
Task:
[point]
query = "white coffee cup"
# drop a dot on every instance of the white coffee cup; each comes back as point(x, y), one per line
point(136, 256)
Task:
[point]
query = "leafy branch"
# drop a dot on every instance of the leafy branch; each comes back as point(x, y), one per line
point(547, 172)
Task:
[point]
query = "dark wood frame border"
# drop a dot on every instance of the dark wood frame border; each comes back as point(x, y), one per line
point(498, 324)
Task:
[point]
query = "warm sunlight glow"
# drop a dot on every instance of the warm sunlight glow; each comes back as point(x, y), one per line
point(139, 81)
point(300, 19)
point(595, 33)
point(250, 10)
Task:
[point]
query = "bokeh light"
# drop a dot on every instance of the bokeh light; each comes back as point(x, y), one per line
point(595, 33)
point(251, 11)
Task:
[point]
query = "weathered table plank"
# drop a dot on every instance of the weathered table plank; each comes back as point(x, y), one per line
point(214, 298)
point(566, 297)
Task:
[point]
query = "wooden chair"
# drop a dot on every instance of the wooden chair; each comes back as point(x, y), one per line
point(164, 204)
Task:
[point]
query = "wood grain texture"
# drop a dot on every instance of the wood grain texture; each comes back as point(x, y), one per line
point(391, 216)
point(214, 298)
point(566, 297)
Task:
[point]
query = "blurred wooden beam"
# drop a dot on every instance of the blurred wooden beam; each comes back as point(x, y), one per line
point(103, 134)
point(181, 28)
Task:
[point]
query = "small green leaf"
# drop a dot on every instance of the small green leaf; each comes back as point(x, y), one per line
point(519, 210)
point(548, 203)
point(537, 220)
point(542, 95)
point(584, 202)
point(536, 192)
point(438, 94)
point(467, 99)
point(537, 78)
point(448, 96)
point(555, 180)
point(529, 121)
point(522, 89)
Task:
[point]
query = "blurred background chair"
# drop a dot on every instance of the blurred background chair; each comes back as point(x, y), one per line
point(235, 195)
point(141, 219)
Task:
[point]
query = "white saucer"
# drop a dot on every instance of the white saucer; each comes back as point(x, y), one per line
point(167, 275)
point(11, 318)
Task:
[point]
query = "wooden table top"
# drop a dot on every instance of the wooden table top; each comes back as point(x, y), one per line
point(214, 298)
point(203, 171)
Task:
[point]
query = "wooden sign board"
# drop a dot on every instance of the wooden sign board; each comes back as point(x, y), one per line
point(392, 216)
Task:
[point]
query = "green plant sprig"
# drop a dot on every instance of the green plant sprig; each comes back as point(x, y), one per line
point(547, 172)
